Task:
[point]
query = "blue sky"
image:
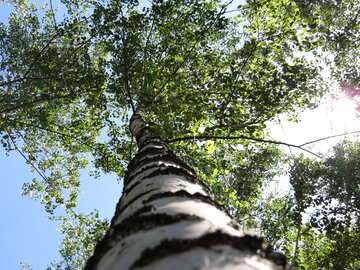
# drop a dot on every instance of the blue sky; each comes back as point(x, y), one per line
point(26, 233)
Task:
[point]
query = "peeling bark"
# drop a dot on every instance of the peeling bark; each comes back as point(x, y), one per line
point(168, 219)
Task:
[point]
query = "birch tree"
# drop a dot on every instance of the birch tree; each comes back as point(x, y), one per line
point(207, 77)
point(168, 218)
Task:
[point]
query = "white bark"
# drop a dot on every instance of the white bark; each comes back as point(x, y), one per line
point(168, 219)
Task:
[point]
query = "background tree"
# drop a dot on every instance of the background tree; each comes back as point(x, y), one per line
point(319, 221)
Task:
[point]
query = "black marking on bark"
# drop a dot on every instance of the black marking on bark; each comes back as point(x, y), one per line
point(122, 209)
point(165, 170)
point(131, 225)
point(276, 257)
point(141, 133)
point(142, 210)
point(150, 147)
point(184, 193)
point(137, 223)
point(127, 191)
point(158, 162)
point(234, 225)
point(153, 140)
point(105, 244)
point(149, 151)
point(167, 157)
point(170, 170)
point(207, 241)
point(134, 162)
point(153, 146)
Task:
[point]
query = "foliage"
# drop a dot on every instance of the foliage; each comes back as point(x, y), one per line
point(68, 87)
point(82, 232)
point(335, 25)
point(322, 216)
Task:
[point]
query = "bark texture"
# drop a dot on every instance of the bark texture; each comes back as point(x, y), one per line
point(168, 219)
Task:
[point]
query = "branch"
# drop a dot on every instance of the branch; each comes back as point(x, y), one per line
point(126, 65)
point(231, 127)
point(46, 46)
point(233, 10)
point(230, 95)
point(34, 102)
point(55, 132)
point(53, 14)
point(42, 78)
point(44, 98)
point(204, 137)
point(57, 34)
point(329, 137)
point(146, 53)
point(22, 79)
point(91, 147)
point(39, 78)
point(25, 157)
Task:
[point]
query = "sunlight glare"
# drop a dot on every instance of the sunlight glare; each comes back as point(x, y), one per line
point(344, 114)
point(336, 114)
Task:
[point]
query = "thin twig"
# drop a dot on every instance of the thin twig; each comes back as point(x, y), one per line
point(230, 95)
point(146, 53)
point(57, 34)
point(55, 132)
point(21, 105)
point(7, 110)
point(22, 79)
point(53, 14)
point(234, 10)
point(125, 65)
point(329, 137)
point(46, 46)
point(43, 78)
point(24, 156)
point(45, 98)
point(91, 147)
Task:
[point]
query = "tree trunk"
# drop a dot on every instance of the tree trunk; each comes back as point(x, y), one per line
point(168, 219)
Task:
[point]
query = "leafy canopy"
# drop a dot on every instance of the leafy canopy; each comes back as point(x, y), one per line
point(319, 221)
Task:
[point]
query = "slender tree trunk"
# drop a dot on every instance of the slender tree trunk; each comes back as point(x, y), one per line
point(168, 219)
